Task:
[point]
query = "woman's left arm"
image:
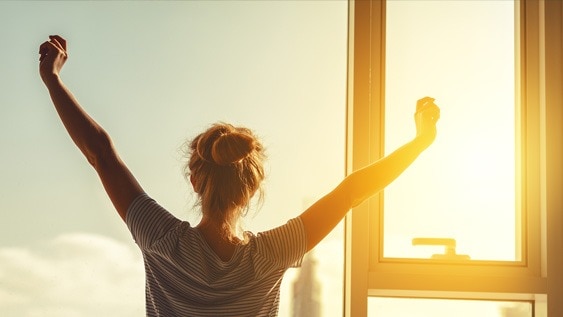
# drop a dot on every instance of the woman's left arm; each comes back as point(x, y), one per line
point(321, 217)
point(92, 140)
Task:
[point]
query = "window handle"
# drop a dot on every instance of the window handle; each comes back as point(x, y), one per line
point(449, 248)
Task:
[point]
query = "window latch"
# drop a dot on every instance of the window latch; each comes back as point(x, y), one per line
point(449, 248)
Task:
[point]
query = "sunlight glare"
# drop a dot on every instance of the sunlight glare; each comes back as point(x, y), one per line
point(462, 54)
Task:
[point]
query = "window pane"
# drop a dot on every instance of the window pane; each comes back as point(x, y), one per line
point(463, 186)
point(408, 307)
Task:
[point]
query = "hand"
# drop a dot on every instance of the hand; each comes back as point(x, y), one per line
point(426, 116)
point(53, 55)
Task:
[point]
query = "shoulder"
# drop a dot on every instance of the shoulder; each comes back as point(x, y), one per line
point(294, 228)
point(148, 221)
point(285, 244)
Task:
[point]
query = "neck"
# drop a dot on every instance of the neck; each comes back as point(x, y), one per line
point(220, 229)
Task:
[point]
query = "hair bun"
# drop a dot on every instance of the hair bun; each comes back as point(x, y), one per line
point(232, 147)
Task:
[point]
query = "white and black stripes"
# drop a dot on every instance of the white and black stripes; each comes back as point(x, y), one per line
point(186, 278)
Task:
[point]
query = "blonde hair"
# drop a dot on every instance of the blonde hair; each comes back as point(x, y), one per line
point(226, 169)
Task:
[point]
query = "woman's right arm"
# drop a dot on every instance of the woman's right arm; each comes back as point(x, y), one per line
point(326, 213)
point(92, 140)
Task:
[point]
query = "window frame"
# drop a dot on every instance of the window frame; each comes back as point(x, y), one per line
point(540, 73)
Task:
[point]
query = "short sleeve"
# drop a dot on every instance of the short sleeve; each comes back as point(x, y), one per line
point(285, 245)
point(148, 221)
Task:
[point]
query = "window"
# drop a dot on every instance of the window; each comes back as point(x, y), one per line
point(465, 183)
point(424, 307)
point(515, 273)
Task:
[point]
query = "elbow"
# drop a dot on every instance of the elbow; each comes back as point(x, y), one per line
point(354, 191)
point(101, 150)
point(346, 194)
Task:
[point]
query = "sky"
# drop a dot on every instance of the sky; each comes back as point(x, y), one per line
point(154, 75)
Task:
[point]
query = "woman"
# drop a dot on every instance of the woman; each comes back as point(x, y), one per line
point(211, 269)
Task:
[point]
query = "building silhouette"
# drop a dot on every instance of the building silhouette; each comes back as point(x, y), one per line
point(306, 301)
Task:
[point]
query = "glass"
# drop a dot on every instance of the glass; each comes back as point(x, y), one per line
point(408, 307)
point(463, 186)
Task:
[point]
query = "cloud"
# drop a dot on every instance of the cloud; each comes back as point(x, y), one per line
point(74, 274)
point(87, 275)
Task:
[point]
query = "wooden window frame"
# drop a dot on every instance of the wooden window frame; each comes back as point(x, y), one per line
point(537, 277)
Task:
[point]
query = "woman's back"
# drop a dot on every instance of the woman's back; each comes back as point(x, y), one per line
point(186, 277)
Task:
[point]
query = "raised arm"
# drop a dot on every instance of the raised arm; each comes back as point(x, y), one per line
point(326, 213)
point(92, 140)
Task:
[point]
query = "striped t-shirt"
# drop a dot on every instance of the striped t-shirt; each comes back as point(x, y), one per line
point(184, 277)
